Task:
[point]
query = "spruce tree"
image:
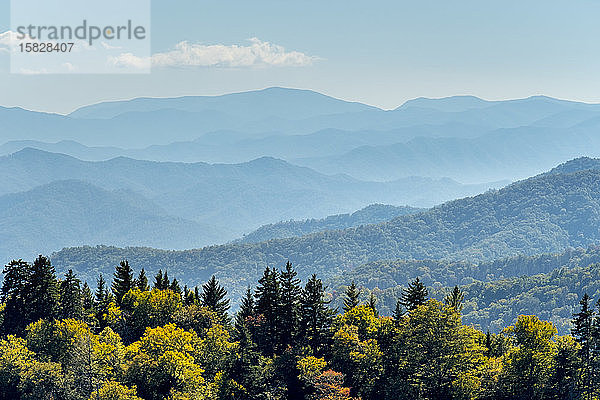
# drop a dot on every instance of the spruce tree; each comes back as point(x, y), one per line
point(213, 297)
point(12, 296)
point(268, 312)
point(455, 299)
point(41, 291)
point(71, 302)
point(161, 281)
point(174, 286)
point(102, 302)
point(246, 310)
point(582, 332)
point(398, 312)
point(87, 301)
point(372, 303)
point(316, 315)
point(352, 297)
point(142, 281)
point(122, 281)
point(414, 296)
point(290, 305)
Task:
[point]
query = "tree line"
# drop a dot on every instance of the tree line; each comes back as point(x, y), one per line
point(133, 339)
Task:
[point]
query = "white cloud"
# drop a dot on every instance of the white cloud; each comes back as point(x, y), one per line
point(6, 38)
point(128, 60)
point(28, 71)
point(256, 54)
point(109, 47)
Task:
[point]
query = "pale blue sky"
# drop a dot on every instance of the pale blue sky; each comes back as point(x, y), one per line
point(377, 52)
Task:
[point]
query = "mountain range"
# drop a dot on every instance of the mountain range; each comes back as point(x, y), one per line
point(463, 137)
point(545, 213)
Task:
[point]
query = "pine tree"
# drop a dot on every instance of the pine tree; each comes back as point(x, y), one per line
point(352, 296)
point(87, 302)
point(246, 310)
point(122, 281)
point(455, 299)
point(372, 303)
point(174, 286)
point(316, 315)
point(189, 296)
point(290, 305)
point(414, 296)
point(41, 292)
point(161, 281)
point(102, 302)
point(582, 332)
point(142, 281)
point(213, 297)
point(268, 311)
point(71, 302)
point(398, 312)
point(12, 296)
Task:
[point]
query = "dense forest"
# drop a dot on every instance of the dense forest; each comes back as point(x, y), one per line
point(546, 213)
point(373, 214)
point(132, 339)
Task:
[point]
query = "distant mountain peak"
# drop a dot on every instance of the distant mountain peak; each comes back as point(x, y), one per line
point(576, 165)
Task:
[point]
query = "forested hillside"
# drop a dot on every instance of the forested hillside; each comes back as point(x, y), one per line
point(372, 214)
point(130, 339)
point(495, 292)
point(547, 213)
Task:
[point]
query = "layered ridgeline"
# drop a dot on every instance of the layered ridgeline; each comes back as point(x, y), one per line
point(372, 214)
point(228, 200)
point(464, 138)
point(546, 213)
point(495, 292)
point(69, 213)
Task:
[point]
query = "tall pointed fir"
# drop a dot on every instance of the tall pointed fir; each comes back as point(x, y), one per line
point(87, 302)
point(214, 297)
point(246, 311)
point(455, 299)
point(316, 316)
point(174, 286)
point(161, 281)
point(123, 281)
point(12, 296)
point(101, 302)
point(351, 298)
point(41, 292)
point(582, 332)
point(268, 312)
point(414, 296)
point(142, 281)
point(372, 303)
point(290, 306)
point(71, 302)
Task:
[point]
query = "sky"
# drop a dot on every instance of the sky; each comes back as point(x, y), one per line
point(377, 52)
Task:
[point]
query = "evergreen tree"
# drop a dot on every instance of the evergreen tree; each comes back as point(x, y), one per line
point(414, 296)
point(122, 282)
point(213, 297)
point(174, 286)
point(398, 312)
point(189, 296)
point(290, 305)
point(71, 302)
point(87, 302)
point(142, 281)
point(246, 310)
point(102, 302)
point(455, 299)
point(372, 303)
point(161, 281)
point(316, 315)
point(268, 311)
point(352, 296)
point(13, 297)
point(582, 332)
point(41, 292)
